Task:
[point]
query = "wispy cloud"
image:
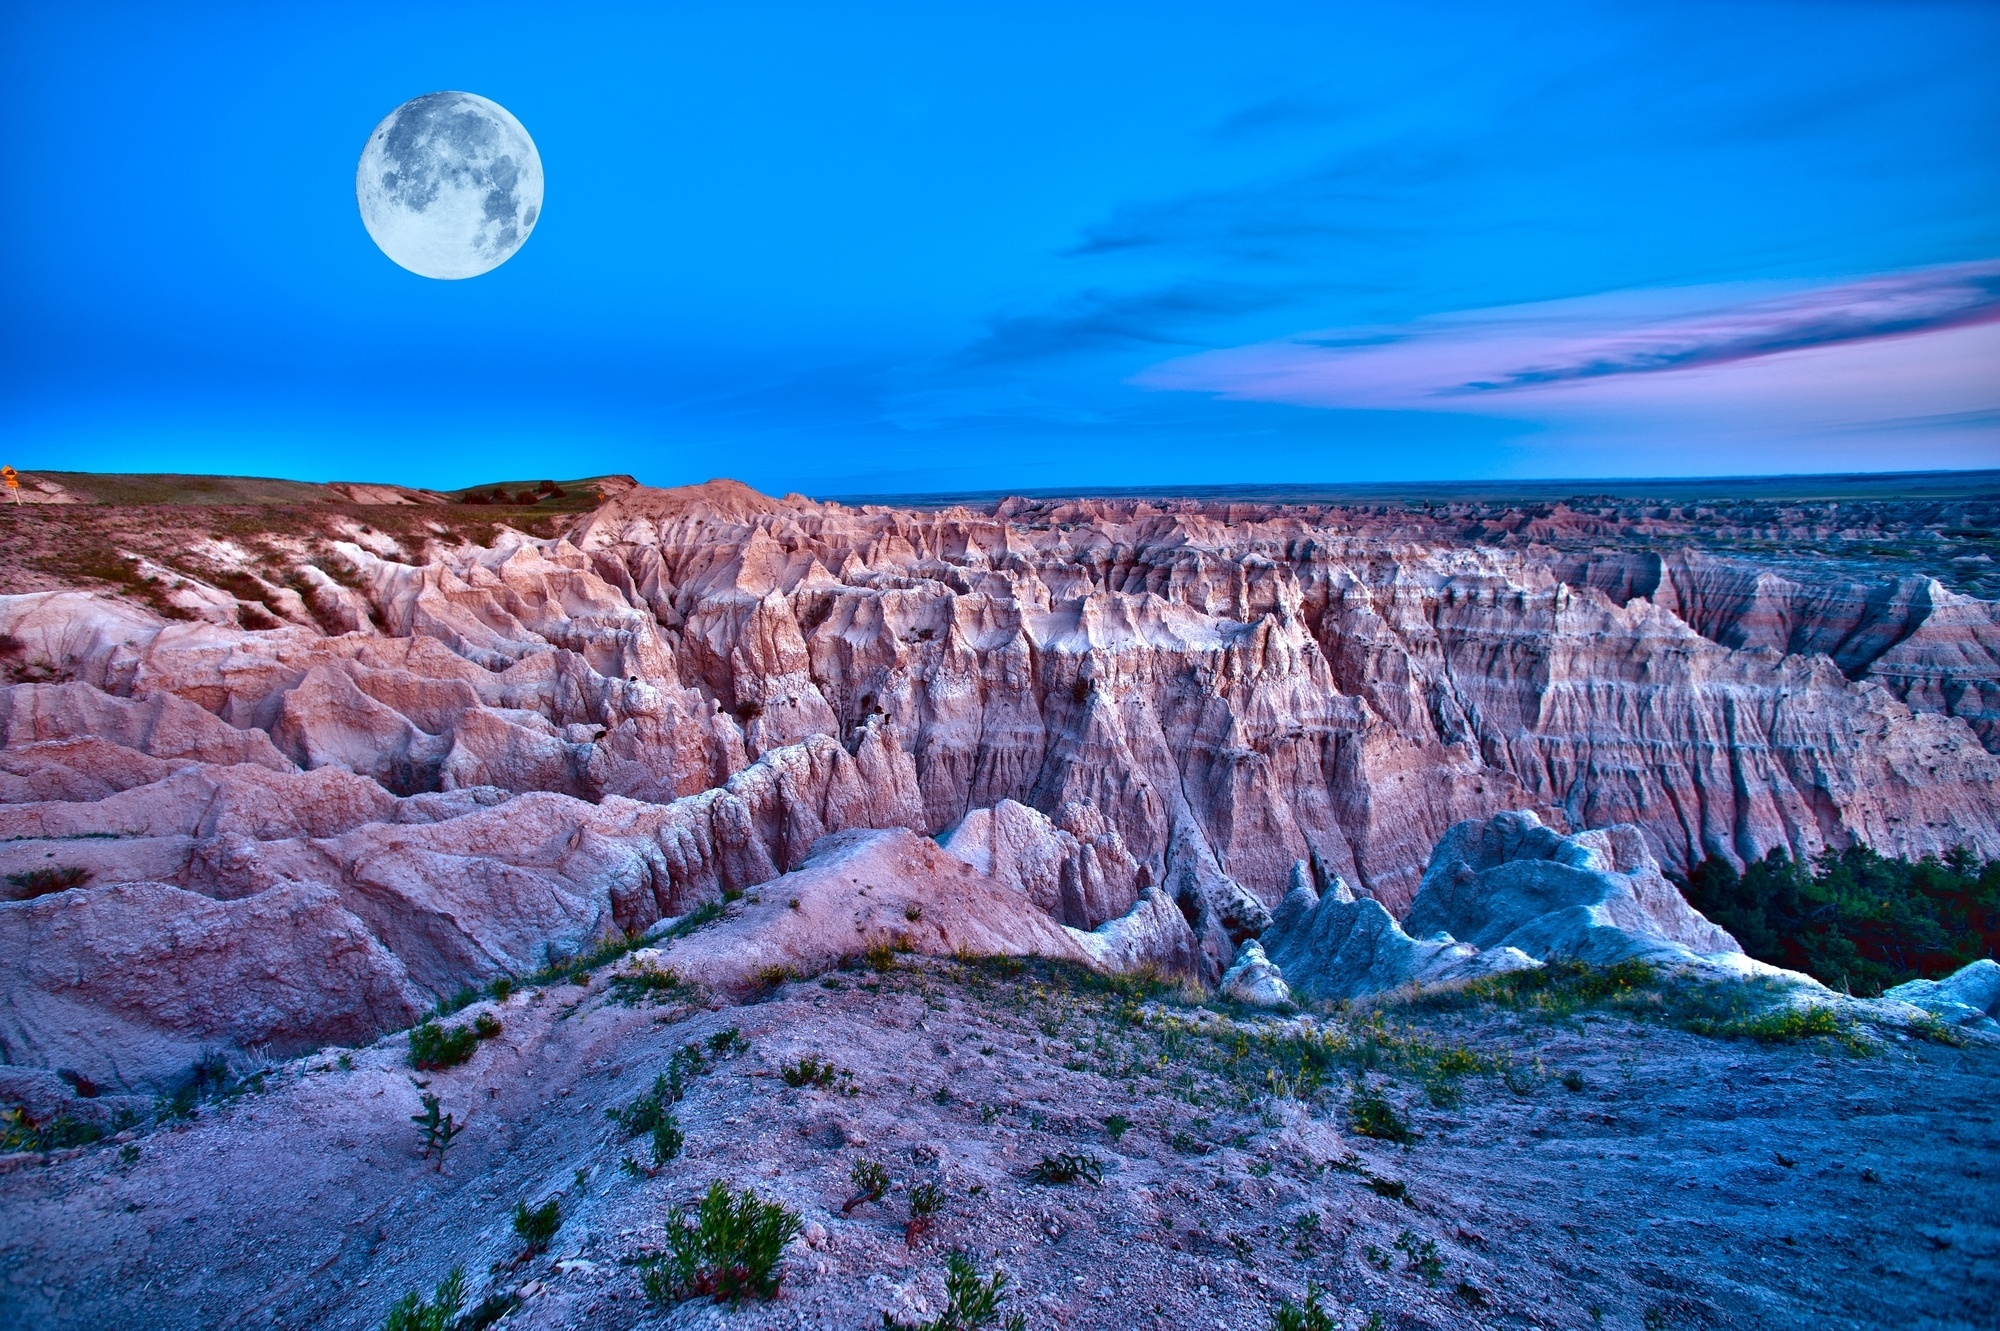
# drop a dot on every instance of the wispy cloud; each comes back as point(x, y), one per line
point(1483, 359)
point(1094, 320)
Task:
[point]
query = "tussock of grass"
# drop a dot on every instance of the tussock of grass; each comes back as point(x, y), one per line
point(536, 1226)
point(1559, 989)
point(1370, 1114)
point(647, 983)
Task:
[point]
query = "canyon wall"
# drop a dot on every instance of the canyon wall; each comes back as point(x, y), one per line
point(452, 760)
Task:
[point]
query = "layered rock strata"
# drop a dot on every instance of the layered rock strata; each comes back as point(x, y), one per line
point(455, 761)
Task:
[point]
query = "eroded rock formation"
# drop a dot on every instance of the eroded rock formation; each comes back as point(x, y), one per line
point(455, 760)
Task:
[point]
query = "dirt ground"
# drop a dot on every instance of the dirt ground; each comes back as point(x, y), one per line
point(1586, 1168)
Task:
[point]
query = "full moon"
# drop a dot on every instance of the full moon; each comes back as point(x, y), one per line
point(449, 185)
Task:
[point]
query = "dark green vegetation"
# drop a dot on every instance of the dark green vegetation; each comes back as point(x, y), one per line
point(434, 1046)
point(1065, 1167)
point(727, 1250)
point(19, 1132)
point(414, 1312)
point(1854, 919)
point(1370, 1114)
point(647, 984)
point(810, 1070)
point(41, 882)
point(871, 1184)
point(537, 1225)
point(970, 1301)
point(211, 1080)
point(436, 1130)
point(1309, 1316)
point(652, 1113)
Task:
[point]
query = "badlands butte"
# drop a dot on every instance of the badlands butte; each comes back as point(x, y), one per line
point(1334, 841)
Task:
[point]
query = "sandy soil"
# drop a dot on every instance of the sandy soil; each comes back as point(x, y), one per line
point(1672, 1181)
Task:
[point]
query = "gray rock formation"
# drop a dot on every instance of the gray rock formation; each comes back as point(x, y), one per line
point(1337, 946)
point(1252, 980)
point(1597, 897)
point(1499, 895)
point(1969, 996)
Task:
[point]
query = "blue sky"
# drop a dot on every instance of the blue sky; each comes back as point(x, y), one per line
point(859, 249)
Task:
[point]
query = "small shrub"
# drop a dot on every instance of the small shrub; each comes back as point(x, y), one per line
point(728, 1041)
point(1116, 1126)
point(1572, 1080)
point(727, 1250)
point(771, 977)
point(486, 1025)
point(649, 1110)
point(1068, 1168)
point(1305, 1234)
point(809, 1071)
point(1937, 1032)
point(436, 1130)
point(1309, 1316)
point(667, 1139)
point(464, 998)
point(880, 957)
point(913, 912)
point(210, 1079)
point(433, 1047)
point(537, 1225)
point(413, 1312)
point(926, 1200)
point(1394, 1189)
point(1370, 1114)
point(870, 1181)
point(970, 1301)
point(42, 882)
point(1422, 1255)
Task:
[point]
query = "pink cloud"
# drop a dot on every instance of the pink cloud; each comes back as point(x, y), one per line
point(1899, 347)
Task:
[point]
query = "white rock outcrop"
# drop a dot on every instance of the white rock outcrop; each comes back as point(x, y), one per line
point(1502, 894)
point(1253, 981)
point(1969, 996)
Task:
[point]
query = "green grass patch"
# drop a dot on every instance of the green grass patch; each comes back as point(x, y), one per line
point(1784, 1027)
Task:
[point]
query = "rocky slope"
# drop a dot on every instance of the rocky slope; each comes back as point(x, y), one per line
point(314, 774)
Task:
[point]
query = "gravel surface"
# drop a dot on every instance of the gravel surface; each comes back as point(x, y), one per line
point(1601, 1167)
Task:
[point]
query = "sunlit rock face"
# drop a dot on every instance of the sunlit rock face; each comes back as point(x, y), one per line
point(1137, 717)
